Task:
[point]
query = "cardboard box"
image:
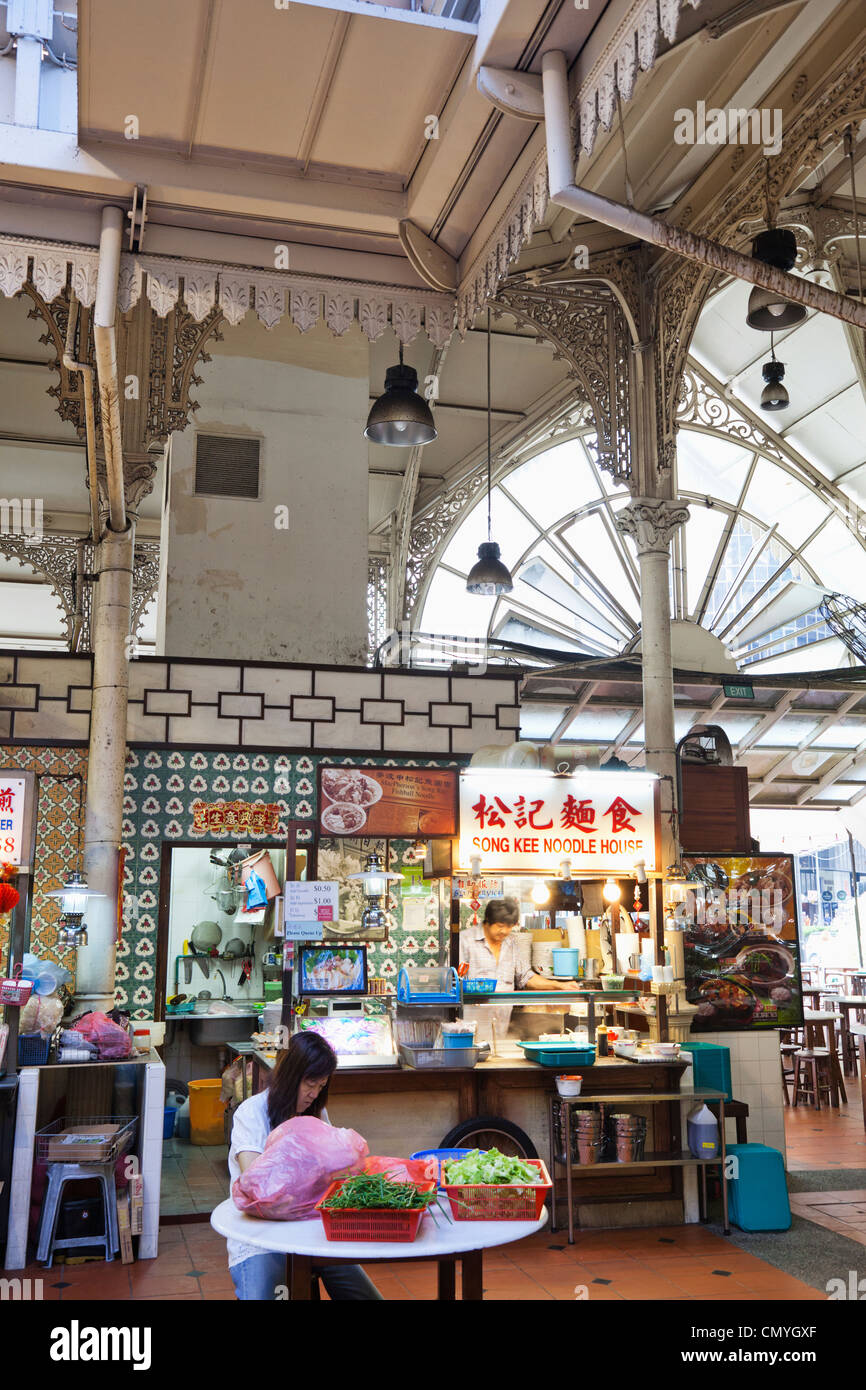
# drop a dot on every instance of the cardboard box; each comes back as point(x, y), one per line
point(83, 1144)
point(136, 1203)
point(123, 1228)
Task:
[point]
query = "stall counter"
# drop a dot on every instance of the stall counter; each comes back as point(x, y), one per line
point(400, 1110)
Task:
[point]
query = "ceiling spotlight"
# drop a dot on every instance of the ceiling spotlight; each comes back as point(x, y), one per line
point(768, 310)
point(400, 416)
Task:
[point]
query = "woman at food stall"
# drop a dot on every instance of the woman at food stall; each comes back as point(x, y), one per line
point(299, 1086)
point(490, 950)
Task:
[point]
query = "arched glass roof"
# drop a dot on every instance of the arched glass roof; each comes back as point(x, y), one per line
point(767, 536)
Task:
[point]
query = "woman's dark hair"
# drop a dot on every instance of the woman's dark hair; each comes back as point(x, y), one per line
point(503, 910)
point(308, 1057)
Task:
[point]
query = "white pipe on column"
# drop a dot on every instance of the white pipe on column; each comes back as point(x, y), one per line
point(658, 686)
point(105, 344)
point(94, 976)
point(703, 250)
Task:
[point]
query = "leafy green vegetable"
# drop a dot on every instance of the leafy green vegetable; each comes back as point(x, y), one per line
point(375, 1192)
point(489, 1166)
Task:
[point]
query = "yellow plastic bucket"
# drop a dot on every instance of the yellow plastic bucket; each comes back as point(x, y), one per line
point(206, 1112)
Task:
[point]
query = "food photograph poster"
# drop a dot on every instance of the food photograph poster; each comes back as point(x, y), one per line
point(742, 953)
point(389, 801)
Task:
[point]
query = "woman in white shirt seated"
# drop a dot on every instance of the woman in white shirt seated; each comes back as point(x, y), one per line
point(299, 1086)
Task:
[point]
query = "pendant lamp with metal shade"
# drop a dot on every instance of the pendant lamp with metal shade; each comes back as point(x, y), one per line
point(768, 311)
point(774, 395)
point(400, 416)
point(489, 576)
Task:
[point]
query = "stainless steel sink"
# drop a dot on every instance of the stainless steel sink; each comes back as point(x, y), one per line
point(209, 1030)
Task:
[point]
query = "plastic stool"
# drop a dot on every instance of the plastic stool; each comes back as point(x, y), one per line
point(58, 1175)
point(758, 1195)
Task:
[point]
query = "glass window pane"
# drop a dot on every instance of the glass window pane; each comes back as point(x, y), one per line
point(589, 540)
point(449, 609)
point(511, 530)
point(703, 532)
point(553, 484)
point(710, 466)
point(774, 496)
point(838, 559)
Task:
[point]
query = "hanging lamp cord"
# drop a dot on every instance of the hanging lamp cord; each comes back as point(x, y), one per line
point(489, 432)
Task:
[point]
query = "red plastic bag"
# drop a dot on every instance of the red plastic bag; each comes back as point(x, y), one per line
point(301, 1159)
point(113, 1042)
point(404, 1169)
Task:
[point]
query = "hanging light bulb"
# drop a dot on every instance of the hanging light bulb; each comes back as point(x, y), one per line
point(540, 893)
point(611, 891)
point(400, 416)
point(489, 576)
point(768, 310)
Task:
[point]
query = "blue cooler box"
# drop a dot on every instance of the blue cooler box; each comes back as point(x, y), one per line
point(758, 1195)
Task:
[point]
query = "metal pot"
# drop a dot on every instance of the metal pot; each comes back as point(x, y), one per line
point(591, 968)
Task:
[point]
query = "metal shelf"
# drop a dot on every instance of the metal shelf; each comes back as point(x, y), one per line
point(644, 1098)
point(675, 1160)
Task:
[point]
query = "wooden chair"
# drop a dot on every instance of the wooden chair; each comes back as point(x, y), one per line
point(812, 1078)
point(789, 1051)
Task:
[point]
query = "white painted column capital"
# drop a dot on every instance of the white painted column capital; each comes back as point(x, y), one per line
point(651, 522)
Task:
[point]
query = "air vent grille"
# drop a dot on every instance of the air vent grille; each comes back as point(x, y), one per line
point(226, 466)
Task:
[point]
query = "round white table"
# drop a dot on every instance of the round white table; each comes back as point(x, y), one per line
point(304, 1242)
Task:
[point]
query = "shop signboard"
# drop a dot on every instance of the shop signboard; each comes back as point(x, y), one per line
point(235, 818)
point(396, 802)
point(13, 797)
point(308, 907)
point(741, 943)
point(528, 822)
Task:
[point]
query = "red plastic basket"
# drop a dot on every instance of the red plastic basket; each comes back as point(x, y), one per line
point(499, 1201)
point(361, 1223)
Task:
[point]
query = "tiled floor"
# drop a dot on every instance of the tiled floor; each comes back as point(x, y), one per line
point(680, 1263)
point(842, 1212)
point(194, 1179)
point(827, 1138)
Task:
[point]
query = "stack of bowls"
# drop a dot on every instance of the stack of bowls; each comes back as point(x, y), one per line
point(590, 1140)
point(559, 1135)
point(628, 1133)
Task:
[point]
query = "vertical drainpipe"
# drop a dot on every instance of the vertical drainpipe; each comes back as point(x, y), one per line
point(112, 602)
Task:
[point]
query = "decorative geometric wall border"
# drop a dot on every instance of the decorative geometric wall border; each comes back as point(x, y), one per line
point(183, 703)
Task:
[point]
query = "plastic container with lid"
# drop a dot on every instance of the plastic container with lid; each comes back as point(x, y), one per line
point(703, 1132)
point(141, 1038)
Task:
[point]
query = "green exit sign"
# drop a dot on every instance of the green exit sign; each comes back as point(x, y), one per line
point(739, 692)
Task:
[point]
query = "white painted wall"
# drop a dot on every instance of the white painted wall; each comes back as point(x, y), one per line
point(233, 585)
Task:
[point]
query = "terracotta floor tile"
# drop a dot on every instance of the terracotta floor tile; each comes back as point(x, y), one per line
point(163, 1287)
point(707, 1283)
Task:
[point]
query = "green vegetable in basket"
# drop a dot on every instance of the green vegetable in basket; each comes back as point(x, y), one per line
point(489, 1166)
point(375, 1192)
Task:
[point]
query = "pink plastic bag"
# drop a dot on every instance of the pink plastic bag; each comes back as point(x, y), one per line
point(301, 1159)
point(113, 1042)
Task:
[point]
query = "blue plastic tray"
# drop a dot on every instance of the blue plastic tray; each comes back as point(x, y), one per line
point(552, 1054)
